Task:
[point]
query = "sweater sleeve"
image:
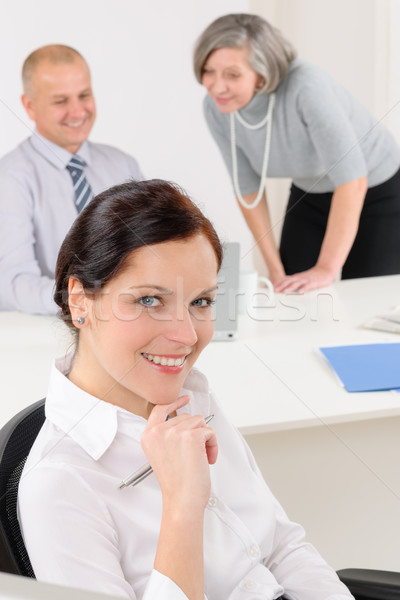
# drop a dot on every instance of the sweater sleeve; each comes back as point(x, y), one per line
point(327, 119)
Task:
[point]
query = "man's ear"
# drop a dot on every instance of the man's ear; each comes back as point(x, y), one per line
point(77, 301)
point(28, 105)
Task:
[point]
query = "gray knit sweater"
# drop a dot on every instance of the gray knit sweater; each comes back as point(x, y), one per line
point(321, 138)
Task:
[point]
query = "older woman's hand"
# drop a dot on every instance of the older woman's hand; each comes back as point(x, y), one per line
point(312, 279)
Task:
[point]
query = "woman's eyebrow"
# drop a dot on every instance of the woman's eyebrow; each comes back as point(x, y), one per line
point(164, 290)
point(153, 286)
point(211, 289)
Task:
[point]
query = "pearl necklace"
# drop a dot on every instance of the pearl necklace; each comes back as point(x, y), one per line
point(267, 120)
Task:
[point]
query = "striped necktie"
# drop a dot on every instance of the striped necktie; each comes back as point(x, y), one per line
point(83, 191)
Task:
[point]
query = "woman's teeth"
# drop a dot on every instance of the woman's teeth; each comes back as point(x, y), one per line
point(162, 360)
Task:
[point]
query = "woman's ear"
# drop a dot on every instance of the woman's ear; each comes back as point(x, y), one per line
point(260, 82)
point(78, 302)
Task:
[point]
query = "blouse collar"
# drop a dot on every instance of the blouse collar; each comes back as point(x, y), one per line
point(93, 423)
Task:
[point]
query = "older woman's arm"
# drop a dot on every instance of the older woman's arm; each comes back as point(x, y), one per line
point(259, 222)
point(341, 230)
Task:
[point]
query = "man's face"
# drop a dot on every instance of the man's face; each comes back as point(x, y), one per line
point(61, 103)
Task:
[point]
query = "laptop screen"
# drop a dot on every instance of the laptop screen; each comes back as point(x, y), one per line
point(225, 315)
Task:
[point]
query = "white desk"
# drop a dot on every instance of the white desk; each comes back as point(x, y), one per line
point(14, 587)
point(271, 378)
point(28, 345)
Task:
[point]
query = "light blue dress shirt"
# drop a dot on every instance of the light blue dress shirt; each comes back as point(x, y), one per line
point(37, 208)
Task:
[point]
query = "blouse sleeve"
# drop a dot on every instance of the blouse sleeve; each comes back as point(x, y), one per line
point(295, 563)
point(330, 130)
point(70, 537)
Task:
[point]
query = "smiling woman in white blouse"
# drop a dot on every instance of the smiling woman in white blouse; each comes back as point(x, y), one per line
point(136, 279)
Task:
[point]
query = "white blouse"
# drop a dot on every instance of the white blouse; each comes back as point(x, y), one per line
point(81, 530)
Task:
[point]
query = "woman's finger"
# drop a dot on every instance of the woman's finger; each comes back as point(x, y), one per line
point(160, 412)
point(211, 446)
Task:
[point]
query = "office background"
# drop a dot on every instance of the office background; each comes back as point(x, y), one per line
point(150, 105)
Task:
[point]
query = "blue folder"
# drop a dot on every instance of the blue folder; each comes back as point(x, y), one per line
point(366, 367)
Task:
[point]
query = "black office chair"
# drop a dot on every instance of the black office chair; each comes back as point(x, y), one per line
point(368, 584)
point(16, 439)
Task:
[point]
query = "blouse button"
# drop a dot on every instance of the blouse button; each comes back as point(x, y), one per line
point(254, 551)
point(212, 502)
point(250, 585)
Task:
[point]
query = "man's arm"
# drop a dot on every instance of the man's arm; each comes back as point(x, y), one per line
point(22, 285)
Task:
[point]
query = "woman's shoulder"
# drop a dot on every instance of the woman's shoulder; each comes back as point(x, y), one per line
point(305, 82)
point(304, 74)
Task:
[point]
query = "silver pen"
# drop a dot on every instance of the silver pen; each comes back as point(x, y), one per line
point(144, 471)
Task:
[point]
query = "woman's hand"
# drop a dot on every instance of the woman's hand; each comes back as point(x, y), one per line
point(312, 279)
point(180, 451)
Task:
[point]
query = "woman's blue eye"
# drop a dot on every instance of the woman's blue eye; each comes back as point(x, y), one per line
point(149, 301)
point(203, 302)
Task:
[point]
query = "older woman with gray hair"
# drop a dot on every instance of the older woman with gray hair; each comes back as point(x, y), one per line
point(274, 115)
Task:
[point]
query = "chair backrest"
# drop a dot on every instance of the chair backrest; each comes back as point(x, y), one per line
point(16, 439)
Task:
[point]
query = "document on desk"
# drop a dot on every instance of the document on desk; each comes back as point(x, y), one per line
point(390, 321)
point(366, 367)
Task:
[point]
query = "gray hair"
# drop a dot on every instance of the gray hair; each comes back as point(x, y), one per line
point(53, 53)
point(270, 53)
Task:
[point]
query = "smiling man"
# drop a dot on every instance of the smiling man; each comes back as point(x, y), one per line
point(51, 176)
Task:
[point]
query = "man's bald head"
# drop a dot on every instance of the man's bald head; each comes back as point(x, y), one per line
point(53, 54)
point(58, 95)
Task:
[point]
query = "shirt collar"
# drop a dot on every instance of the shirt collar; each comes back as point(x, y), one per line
point(93, 423)
point(196, 387)
point(57, 156)
point(90, 422)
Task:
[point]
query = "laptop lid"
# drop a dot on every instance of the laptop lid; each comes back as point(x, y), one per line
point(225, 308)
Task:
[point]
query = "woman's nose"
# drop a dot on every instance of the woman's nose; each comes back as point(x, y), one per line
point(218, 85)
point(182, 329)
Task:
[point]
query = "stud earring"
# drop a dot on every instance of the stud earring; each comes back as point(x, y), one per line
point(80, 320)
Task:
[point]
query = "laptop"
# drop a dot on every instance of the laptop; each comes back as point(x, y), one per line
point(226, 305)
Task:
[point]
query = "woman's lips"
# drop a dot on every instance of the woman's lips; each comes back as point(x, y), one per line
point(222, 100)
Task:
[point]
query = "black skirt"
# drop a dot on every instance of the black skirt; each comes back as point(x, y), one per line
point(376, 249)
